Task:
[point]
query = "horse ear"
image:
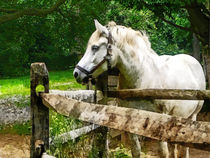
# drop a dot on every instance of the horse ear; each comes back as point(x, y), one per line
point(102, 29)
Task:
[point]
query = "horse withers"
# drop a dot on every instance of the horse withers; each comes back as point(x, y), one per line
point(140, 67)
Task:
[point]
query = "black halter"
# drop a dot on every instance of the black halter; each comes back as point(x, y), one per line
point(107, 58)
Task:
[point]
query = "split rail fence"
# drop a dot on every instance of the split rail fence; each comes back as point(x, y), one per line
point(149, 124)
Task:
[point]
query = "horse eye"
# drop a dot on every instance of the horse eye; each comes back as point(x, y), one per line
point(94, 48)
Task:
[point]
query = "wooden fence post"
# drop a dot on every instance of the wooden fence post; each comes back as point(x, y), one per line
point(39, 112)
point(100, 134)
point(103, 84)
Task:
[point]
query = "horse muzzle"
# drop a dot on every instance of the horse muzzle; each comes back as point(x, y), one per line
point(80, 76)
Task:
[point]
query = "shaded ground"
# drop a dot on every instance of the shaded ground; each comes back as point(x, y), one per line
point(152, 150)
point(16, 146)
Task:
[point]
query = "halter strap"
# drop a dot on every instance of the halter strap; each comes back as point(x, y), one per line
point(106, 58)
point(83, 70)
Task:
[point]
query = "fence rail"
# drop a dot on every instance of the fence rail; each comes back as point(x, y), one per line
point(149, 124)
point(160, 94)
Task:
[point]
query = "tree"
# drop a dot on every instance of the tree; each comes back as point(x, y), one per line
point(52, 38)
point(63, 28)
point(194, 15)
point(195, 11)
point(165, 39)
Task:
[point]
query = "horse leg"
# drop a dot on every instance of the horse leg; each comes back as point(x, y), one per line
point(164, 153)
point(173, 148)
point(194, 118)
point(187, 149)
point(187, 152)
point(107, 154)
point(135, 146)
point(175, 151)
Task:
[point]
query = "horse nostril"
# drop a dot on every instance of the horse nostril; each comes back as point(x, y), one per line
point(75, 74)
point(85, 80)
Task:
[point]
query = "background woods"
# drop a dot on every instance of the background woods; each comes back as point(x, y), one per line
point(58, 30)
point(191, 16)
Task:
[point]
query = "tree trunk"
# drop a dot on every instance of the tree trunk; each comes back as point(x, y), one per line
point(207, 60)
point(206, 57)
point(196, 48)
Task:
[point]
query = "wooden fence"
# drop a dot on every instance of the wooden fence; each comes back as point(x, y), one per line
point(149, 124)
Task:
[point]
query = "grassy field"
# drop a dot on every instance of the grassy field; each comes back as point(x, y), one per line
point(62, 80)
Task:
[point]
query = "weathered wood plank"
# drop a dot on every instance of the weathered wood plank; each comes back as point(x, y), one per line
point(88, 95)
point(81, 95)
point(160, 94)
point(65, 137)
point(39, 112)
point(148, 124)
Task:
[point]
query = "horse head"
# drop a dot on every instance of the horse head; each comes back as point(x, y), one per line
point(97, 57)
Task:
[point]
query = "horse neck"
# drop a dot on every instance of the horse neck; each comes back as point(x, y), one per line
point(135, 64)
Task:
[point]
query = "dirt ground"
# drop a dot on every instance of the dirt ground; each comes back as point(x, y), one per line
point(152, 148)
point(16, 146)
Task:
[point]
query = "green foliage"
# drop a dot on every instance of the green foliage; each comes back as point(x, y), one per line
point(59, 38)
point(74, 148)
point(55, 39)
point(165, 39)
point(60, 124)
point(121, 152)
point(21, 129)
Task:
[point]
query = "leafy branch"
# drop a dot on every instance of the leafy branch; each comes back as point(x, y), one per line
point(175, 25)
point(13, 14)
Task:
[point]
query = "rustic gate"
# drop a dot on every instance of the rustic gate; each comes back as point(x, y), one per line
point(149, 124)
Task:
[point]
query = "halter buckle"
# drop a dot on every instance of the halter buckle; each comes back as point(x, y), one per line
point(109, 46)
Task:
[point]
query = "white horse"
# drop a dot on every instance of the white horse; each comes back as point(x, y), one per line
point(140, 67)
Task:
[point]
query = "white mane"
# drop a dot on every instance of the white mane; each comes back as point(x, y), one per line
point(129, 36)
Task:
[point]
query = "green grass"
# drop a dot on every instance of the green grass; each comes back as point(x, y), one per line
point(62, 80)
point(21, 129)
point(60, 124)
point(14, 86)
